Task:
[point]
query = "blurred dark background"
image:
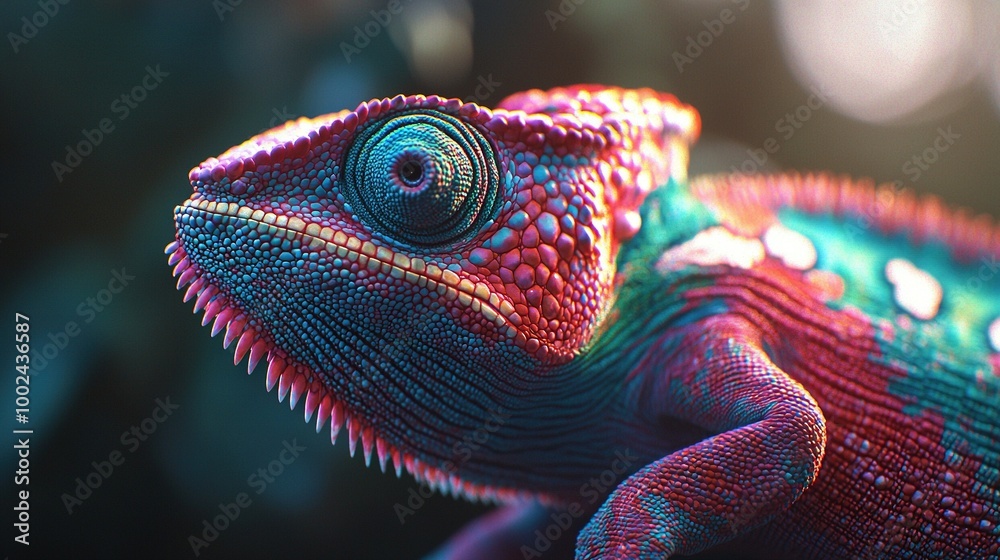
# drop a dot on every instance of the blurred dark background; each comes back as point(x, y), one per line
point(90, 179)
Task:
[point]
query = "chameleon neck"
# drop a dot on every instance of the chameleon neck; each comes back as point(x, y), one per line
point(600, 391)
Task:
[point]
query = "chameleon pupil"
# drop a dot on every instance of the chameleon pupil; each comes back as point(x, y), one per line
point(411, 172)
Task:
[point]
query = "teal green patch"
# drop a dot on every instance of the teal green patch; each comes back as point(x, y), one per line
point(670, 215)
point(648, 300)
point(858, 252)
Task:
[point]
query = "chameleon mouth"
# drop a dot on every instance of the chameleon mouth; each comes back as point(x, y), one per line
point(472, 294)
point(298, 381)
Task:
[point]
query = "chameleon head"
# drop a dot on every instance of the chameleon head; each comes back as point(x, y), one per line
point(396, 262)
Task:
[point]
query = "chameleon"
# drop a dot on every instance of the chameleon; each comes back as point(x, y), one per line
point(795, 365)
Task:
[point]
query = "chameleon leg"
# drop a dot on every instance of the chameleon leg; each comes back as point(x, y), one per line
point(502, 534)
point(770, 441)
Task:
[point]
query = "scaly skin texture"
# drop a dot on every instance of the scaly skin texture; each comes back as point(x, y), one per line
point(804, 365)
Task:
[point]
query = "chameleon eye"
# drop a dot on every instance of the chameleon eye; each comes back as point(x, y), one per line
point(422, 178)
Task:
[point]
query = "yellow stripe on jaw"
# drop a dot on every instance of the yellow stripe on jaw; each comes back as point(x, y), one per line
point(475, 295)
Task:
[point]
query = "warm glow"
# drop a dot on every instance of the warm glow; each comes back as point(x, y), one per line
point(881, 59)
point(437, 40)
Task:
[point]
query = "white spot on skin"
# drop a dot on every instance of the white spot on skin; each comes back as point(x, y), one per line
point(713, 246)
point(916, 291)
point(790, 246)
point(994, 333)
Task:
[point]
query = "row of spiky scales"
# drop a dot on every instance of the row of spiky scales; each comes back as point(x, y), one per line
point(295, 380)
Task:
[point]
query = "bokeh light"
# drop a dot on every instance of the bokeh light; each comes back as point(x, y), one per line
point(436, 38)
point(885, 60)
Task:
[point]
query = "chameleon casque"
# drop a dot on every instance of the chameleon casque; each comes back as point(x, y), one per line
point(805, 365)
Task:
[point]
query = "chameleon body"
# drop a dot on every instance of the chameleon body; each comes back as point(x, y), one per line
point(801, 364)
